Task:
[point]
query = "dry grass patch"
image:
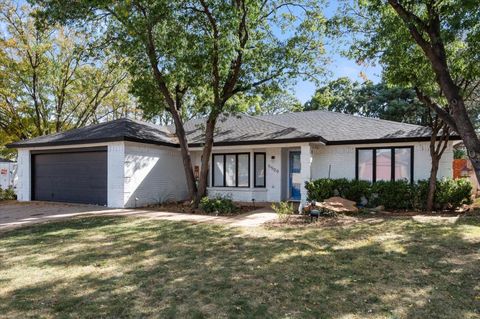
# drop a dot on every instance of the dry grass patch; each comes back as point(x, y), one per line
point(132, 267)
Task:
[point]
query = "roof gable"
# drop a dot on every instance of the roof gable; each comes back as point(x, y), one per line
point(117, 130)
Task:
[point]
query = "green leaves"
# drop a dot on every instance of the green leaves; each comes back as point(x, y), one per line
point(381, 100)
point(207, 46)
point(381, 35)
point(52, 78)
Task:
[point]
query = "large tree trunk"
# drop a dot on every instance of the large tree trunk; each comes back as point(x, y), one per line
point(187, 159)
point(207, 150)
point(432, 184)
point(463, 124)
point(428, 37)
point(174, 105)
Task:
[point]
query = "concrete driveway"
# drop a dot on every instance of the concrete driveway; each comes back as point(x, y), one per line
point(16, 214)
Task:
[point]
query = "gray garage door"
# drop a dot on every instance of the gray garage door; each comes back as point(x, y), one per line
point(75, 176)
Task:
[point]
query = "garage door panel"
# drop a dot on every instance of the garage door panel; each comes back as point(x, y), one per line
point(76, 177)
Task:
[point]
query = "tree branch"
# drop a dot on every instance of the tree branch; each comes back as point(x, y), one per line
point(442, 113)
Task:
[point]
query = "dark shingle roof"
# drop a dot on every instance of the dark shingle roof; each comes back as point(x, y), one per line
point(328, 127)
point(117, 130)
point(337, 128)
point(244, 129)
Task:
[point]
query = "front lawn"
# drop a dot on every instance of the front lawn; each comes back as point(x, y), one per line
point(132, 267)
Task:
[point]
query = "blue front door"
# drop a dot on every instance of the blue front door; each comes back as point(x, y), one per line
point(294, 177)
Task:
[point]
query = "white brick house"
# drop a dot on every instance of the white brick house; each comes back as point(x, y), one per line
point(127, 163)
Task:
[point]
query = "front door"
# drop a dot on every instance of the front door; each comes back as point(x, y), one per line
point(294, 179)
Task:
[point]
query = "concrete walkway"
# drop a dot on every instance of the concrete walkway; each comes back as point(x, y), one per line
point(15, 214)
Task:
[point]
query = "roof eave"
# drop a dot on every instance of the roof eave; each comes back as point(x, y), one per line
point(389, 140)
point(271, 141)
point(90, 141)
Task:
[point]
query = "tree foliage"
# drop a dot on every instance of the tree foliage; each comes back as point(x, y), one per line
point(379, 100)
point(52, 79)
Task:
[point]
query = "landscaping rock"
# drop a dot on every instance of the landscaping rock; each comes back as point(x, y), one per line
point(338, 205)
point(380, 208)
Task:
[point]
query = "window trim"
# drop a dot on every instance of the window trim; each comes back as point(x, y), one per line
point(264, 170)
point(374, 160)
point(224, 155)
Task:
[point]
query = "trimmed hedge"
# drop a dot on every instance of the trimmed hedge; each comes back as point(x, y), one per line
point(401, 194)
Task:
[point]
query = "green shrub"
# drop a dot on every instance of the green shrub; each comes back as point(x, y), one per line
point(7, 194)
point(320, 189)
point(400, 194)
point(220, 205)
point(451, 193)
point(323, 188)
point(421, 194)
point(392, 194)
point(357, 190)
point(284, 210)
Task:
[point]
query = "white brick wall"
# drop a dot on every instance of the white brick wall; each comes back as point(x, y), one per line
point(341, 159)
point(23, 173)
point(306, 162)
point(152, 174)
point(115, 174)
point(273, 190)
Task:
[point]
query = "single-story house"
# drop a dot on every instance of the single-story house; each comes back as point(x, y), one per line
point(128, 163)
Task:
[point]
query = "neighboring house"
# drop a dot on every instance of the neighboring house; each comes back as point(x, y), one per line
point(8, 170)
point(126, 163)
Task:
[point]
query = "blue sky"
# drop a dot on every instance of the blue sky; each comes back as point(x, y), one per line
point(339, 67)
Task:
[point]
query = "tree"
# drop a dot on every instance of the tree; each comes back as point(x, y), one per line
point(52, 80)
point(381, 100)
point(431, 45)
point(199, 56)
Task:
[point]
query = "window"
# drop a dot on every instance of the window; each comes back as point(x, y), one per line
point(259, 168)
point(403, 163)
point(231, 170)
point(365, 165)
point(384, 163)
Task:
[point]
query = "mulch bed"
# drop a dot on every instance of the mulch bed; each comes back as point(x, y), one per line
point(181, 207)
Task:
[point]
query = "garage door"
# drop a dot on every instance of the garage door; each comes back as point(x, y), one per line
point(74, 176)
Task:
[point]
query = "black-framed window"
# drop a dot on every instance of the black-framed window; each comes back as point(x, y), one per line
point(231, 170)
point(384, 163)
point(259, 169)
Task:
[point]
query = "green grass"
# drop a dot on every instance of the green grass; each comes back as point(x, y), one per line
point(127, 267)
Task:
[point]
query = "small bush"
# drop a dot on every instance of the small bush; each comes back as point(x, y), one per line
point(7, 194)
point(451, 194)
point(323, 188)
point(284, 210)
point(392, 194)
point(421, 194)
point(220, 205)
point(320, 189)
point(357, 191)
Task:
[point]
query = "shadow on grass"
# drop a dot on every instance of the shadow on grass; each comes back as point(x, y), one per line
point(126, 267)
